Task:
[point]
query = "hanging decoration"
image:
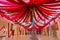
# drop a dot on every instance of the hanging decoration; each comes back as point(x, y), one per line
point(30, 13)
point(11, 27)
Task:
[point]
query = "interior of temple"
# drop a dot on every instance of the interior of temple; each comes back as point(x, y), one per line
point(11, 31)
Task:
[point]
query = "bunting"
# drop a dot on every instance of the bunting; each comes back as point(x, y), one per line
point(30, 13)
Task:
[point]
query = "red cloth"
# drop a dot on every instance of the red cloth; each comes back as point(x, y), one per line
point(20, 10)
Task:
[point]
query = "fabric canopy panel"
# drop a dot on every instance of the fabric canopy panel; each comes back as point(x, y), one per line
point(30, 14)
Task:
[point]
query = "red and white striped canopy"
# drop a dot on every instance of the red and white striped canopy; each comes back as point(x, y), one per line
point(30, 13)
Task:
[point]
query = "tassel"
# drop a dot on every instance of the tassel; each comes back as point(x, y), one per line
point(8, 30)
point(12, 29)
point(32, 20)
point(50, 31)
point(11, 26)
